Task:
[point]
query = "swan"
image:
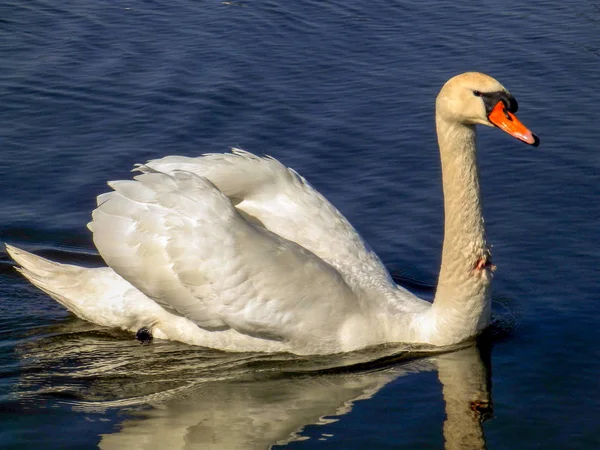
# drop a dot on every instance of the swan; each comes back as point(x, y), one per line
point(239, 253)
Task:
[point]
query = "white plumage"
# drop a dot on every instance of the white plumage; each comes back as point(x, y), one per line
point(238, 252)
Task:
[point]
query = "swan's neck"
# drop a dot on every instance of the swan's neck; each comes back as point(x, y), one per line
point(462, 304)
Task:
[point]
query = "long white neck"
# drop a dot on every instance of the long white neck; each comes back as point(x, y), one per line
point(462, 305)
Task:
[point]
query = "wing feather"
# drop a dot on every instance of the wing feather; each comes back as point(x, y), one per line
point(269, 194)
point(179, 240)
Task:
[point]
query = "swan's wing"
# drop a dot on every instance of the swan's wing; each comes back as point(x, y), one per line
point(181, 242)
point(283, 202)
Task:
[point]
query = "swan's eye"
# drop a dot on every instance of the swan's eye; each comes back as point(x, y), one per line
point(477, 93)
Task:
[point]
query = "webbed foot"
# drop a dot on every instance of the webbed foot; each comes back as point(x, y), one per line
point(144, 335)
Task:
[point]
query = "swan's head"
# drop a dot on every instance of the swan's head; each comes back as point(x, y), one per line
point(474, 98)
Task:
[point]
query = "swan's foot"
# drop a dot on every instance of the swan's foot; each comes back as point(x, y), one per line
point(144, 335)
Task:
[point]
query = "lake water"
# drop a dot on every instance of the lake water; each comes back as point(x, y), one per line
point(343, 92)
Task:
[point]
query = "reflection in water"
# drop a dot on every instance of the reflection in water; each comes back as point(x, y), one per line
point(466, 385)
point(182, 397)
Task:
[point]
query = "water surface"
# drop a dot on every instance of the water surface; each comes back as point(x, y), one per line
point(343, 92)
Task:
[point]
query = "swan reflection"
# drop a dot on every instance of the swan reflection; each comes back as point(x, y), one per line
point(179, 397)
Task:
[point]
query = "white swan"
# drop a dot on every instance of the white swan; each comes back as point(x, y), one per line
point(240, 253)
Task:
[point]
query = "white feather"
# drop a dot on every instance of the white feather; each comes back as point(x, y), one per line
point(238, 252)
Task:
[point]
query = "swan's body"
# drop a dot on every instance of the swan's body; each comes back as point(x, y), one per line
point(239, 253)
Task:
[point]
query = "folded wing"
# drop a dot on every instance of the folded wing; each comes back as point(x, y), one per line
point(270, 195)
point(178, 239)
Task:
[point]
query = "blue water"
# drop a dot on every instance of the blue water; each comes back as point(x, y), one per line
point(343, 92)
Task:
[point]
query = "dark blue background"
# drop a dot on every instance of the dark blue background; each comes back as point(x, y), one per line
point(343, 92)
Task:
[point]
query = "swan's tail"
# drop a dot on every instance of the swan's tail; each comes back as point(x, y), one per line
point(97, 295)
point(53, 278)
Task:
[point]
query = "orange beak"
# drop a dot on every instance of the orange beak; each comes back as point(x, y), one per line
point(508, 122)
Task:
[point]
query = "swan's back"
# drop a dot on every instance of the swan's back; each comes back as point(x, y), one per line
point(239, 242)
point(277, 198)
